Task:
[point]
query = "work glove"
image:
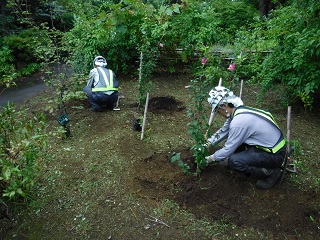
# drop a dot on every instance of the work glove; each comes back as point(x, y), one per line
point(209, 159)
point(206, 145)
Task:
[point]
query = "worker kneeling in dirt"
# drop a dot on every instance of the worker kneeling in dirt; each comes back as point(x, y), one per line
point(255, 144)
point(102, 86)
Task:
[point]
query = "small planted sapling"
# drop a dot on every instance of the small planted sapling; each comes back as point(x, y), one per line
point(176, 157)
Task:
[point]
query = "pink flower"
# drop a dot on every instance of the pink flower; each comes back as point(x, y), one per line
point(203, 61)
point(160, 45)
point(186, 86)
point(232, 67)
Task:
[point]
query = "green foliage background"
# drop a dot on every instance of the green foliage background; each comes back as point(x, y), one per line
point(120, 30)
point(292, 67)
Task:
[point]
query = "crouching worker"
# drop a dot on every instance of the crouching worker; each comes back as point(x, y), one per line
point(102, 86)
point(255, 144)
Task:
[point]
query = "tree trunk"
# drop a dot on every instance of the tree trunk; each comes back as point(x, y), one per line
point(266, 6)
point(2, 7)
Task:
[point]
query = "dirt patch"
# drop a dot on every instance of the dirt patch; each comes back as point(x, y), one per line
point(221, 194)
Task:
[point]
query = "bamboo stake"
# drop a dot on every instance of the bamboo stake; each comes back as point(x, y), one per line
point(294, 170)
point(286, 161)
point(144, 116)
point(140, 73)
point(212, 113)
point(288, 128)
point(140, 66)
point(241, 86)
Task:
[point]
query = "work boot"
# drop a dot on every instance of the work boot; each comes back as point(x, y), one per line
point(271, 179)
point(259, 173)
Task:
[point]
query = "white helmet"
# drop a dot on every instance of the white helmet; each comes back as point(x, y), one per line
point(220, 95)
point(99, 61)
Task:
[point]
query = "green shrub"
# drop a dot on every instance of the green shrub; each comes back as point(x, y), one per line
point(21, 45)
point(234, 15)
point(121, 31)
point(293, 65)
point(23, 144)
point(7, 68)
point(22, 54)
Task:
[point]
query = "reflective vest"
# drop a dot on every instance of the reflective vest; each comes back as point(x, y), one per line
point(108, 83)
point(266, 115)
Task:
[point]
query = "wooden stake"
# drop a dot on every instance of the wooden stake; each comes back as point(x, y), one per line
point(294, 170)
point(140, 75)
point(287, 159)
point(212, 113)
point(140, 67)
point(288, 127)
point(145, 116)
point(241, 86)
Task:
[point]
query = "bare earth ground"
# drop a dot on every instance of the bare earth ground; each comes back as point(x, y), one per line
point(107, 183)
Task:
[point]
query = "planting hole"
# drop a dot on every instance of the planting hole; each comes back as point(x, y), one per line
point(165, 103)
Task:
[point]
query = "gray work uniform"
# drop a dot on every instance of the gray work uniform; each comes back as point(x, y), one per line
point(246, 131)
point(221, 134)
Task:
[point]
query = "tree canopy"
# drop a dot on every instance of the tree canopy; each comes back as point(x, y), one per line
point(121, 29)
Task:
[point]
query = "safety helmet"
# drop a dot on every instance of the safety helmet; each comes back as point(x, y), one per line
point(99, 61)
point(220, 95)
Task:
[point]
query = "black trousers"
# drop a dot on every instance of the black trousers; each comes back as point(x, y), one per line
point(98, 99)
point(246, 157)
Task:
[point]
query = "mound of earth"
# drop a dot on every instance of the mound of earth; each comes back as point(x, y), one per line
point(221, 194)
point(168, 103)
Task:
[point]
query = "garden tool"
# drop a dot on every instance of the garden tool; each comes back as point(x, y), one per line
point(286, 164)
point(117, 108)
point(288, 150)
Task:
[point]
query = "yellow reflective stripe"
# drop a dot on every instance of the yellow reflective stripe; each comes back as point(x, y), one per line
point(275, 148)
point(279, 146)
point(104, 89)
point(105, 78)
point(108, 86)
point(264, 149)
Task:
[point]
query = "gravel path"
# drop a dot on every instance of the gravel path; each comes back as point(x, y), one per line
point(22, 92)
point(26, 87)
